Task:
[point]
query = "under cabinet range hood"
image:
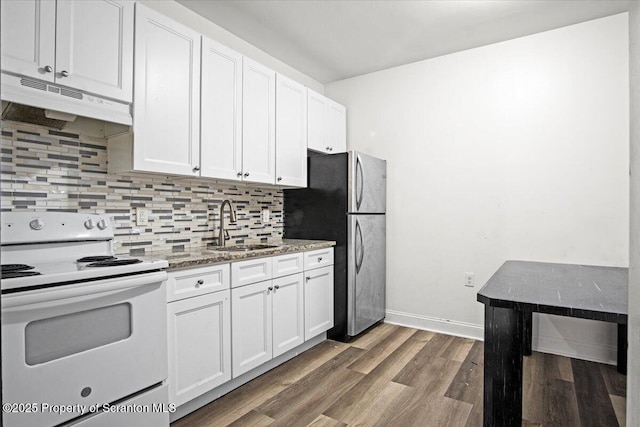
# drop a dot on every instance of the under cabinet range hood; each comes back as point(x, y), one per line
point(41, 94)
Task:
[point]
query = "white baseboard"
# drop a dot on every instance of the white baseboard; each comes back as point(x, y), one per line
point(444, 326)
point(545, 344)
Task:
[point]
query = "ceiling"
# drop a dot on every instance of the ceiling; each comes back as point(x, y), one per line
point(331, 40)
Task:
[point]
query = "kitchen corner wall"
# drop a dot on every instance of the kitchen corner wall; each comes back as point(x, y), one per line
point(44, 169)
point(516, 150)
point(633, 385)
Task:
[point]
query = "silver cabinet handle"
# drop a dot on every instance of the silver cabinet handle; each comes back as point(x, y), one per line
point(279, 178)
point(199, 283)
point(269, 289)
point(196, 169)
point(319, 259)
point(308, 278)
point(328, 148)
point(276, 287)
point(239, 174)
point(48, 68)
point(64, 73)
point(246, 174)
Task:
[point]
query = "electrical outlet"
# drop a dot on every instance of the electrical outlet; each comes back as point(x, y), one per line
point(266, 215)
point(142, 216)
point(469, 279)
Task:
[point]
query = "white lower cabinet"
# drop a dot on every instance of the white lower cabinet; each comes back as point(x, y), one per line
point(225, 320)
point(267, 321)
point(199, 345)
point(288, 313)
point(199, 331)
point(318, 301)
point(252, 332)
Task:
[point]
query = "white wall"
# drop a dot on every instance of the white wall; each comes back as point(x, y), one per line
point(189, 18)
point(517, 150)
point(633, 373)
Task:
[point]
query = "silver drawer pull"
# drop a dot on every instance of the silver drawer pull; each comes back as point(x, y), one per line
point(199, 282)
point(319, 259)
point(308, 278)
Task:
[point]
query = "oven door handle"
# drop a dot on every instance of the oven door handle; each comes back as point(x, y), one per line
point(51, 296)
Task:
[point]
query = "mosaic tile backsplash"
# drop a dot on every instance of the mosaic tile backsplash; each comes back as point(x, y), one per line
point(48, 170)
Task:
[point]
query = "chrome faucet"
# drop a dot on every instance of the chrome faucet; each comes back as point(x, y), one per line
point(224, 234)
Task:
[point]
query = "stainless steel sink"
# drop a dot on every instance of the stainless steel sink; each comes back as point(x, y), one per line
point(245, 248)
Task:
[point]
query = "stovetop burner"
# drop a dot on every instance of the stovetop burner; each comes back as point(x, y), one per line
point(114, 262)
point(96, 258)
point(15, 267)
point(18, 273)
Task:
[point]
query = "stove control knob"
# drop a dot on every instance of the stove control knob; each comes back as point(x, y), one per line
point(36, 224)
point(88, 224)
point(102, 224)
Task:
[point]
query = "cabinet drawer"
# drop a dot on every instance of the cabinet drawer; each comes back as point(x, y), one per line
point(318, 258)
point(250, 271)
point(284, 265)
point(197, 281)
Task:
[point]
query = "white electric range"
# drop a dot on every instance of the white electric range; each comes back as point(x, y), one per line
point(82, 329)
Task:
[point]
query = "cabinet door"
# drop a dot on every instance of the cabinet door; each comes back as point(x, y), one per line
point(316, 121)
point(258, 122)
point(94, 47)
point(291, 133)
point(251, 332)
point(288, 313)
point(221, 115)
point(336, 127)
point(318, 301)
point(29, 37)
point(166, 95)
point(199, 345)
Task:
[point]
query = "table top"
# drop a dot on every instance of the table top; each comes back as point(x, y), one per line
point(590, 292)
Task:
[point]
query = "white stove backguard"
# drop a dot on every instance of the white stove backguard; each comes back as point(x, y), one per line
point(39, 227)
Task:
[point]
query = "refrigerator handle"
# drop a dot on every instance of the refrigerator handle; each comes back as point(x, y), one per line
point(361, 258)
point(359, 182)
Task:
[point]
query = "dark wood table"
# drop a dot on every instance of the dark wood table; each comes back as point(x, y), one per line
point(520, 288)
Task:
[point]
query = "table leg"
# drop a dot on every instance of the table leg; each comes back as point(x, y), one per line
point(527, 332)
point(622, 348)
point(502, 367)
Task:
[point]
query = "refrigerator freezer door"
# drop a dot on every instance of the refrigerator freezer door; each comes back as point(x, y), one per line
point(367, 271)
point(367, 184)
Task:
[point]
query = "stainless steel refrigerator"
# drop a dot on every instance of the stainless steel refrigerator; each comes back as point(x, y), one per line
point(345, 201)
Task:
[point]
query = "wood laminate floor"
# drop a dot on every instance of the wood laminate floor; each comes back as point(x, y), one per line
point(396, 376)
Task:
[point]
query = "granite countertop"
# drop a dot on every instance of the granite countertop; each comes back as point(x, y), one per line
point(586, 291)
point(200, 257)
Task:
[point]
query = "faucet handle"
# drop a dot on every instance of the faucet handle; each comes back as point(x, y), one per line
point(226, 235)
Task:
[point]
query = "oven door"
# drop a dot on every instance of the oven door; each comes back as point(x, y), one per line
point(82, 344)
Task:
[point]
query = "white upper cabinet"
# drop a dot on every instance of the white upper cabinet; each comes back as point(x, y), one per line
point(94, 50)
point(258, 123)
point(167, 95)
point(336, 127)
point(29, 38)
point(327, 124)
point(291, 133)
point(221, 112)
point(86, 45)
point(317, 121)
